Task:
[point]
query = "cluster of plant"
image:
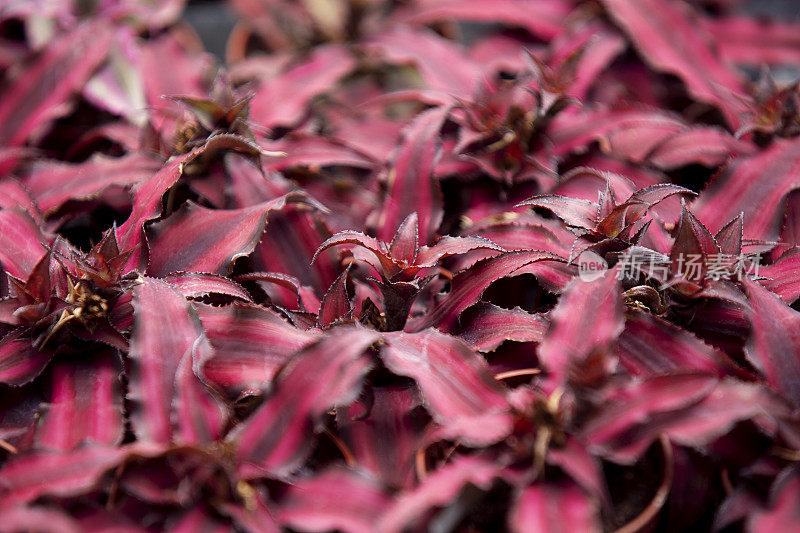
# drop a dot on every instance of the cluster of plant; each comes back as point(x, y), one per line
point(339, 283)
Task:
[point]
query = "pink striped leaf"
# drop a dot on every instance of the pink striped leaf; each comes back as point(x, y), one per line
point(85, 404)
point(690, 409)
point(545, 19)
point(43, 519)
point(745, 40)
point(53, 184)
point(442, 64)
point(468, 286)
point(38, 94)
point(336, 499)
point(250, 345)
point(583, 328)
point(20, 361)
point(22, 244)
point(612, 431)
point(454, 382)
point(28, 476)
point(554, 507)
point(283, 99)
point(705, 146)
point(278, 437)
point(198, 413)
point(774, 344)
point(670, 39)
point(198, 519)
point(755, 186)
point(196, 285)
point(14, 194)
point(199, 239)
point(384, 440)
point(412, 186)
point(490, 326)
point(626, 133)
point(308, 151)
point(781, 513)
point(164, 331)
point(437, 490)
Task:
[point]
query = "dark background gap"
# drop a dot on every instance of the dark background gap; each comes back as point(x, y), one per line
point(214, 20)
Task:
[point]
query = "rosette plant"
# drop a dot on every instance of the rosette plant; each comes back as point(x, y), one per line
point(337, 280)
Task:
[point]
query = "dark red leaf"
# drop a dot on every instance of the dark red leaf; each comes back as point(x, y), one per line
point(650, 346)
point(147, 206)
point(298, 234)
point(572, 211)
point(729, 238)
point(454, 246)
point(303, 296)
point(783, 276)
point(384, 262)
point(405, 243)
point(20, 362)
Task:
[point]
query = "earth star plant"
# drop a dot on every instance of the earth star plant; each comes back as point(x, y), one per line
point(335, 283)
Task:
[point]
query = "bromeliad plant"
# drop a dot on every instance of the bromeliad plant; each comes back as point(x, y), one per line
point(341, 283)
